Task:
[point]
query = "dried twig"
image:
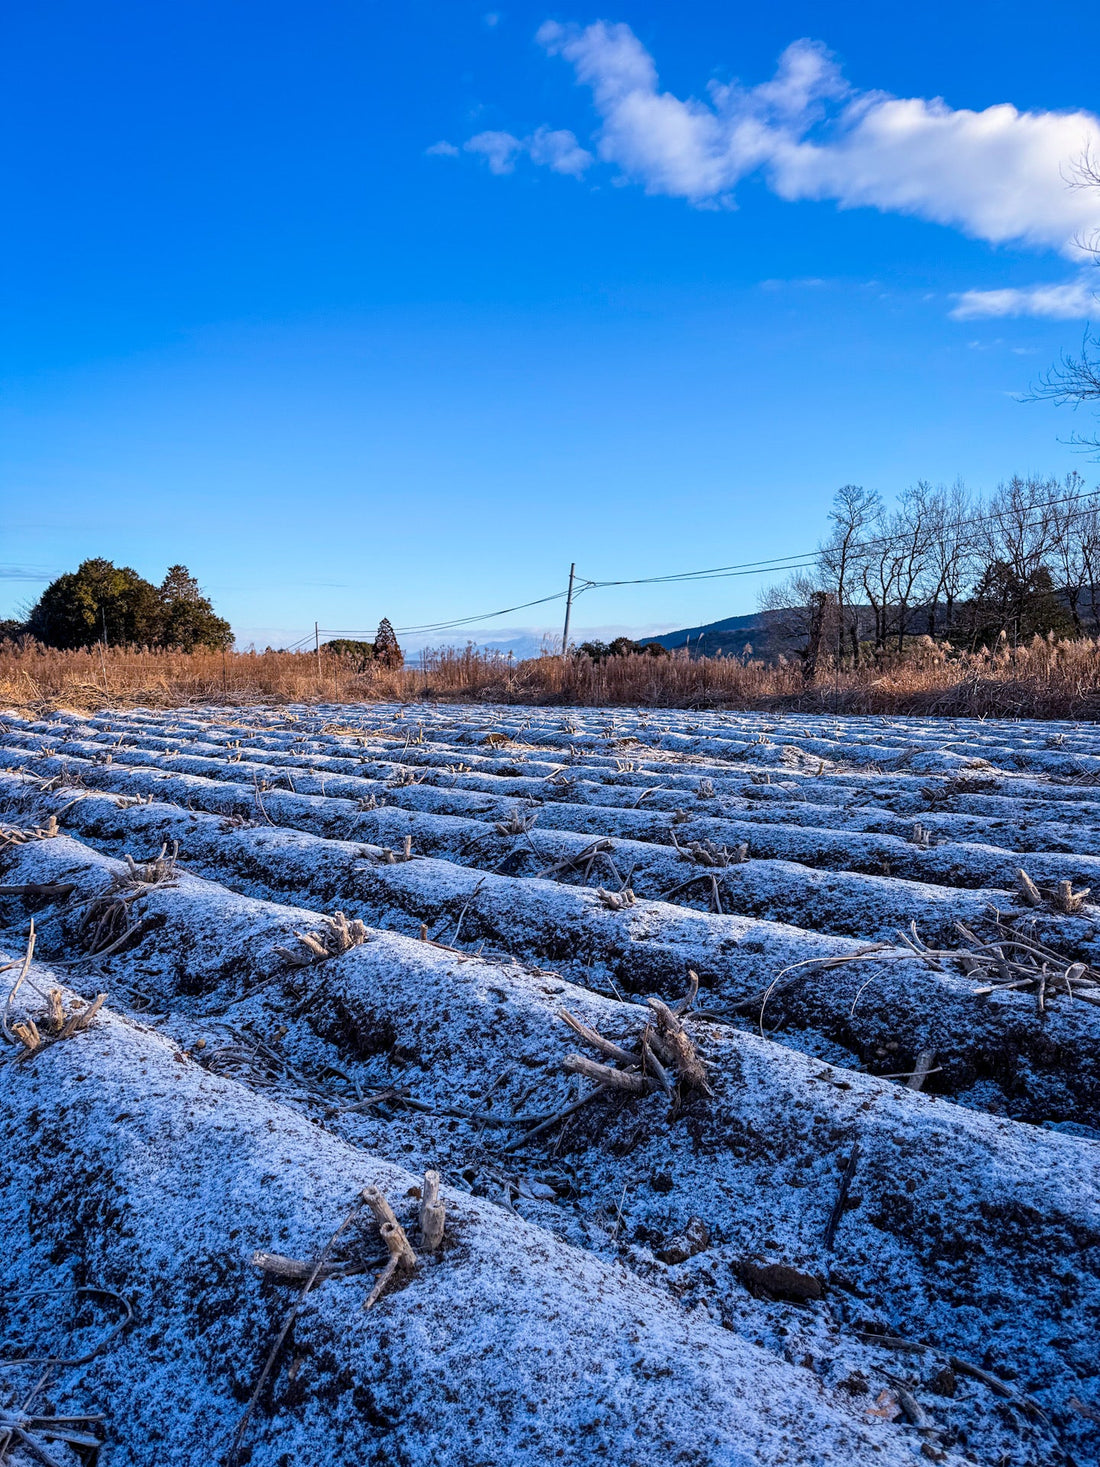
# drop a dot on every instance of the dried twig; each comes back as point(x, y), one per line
point(630, 1081)
point(616, 901)
point(604, 1046)
point(841, 1197)
point(291, 1316)
point(61, 1362)
point(707, 853)
point(553, 1120)
point(12, 835)
point(396, 1241)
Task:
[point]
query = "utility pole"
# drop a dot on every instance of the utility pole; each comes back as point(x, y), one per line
point(103, 649)
point(317, 648)
point(568, 610)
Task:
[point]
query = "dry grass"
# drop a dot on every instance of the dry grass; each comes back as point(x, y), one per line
point(1041, 680)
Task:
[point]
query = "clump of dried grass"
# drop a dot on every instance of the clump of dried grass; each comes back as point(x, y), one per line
point(336, 935)
point(106, 925)
point(1043, 679)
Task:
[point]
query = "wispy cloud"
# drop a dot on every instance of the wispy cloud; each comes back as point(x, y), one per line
point(25, 573)
point(999, 174)
point(553, 148)
point(1071, 300)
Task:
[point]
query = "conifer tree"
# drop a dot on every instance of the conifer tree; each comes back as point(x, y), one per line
point(387, 653)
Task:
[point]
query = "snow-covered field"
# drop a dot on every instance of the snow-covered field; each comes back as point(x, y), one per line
point(836, 1203)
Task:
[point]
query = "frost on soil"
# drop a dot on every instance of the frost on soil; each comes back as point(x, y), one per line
point(758, 1059)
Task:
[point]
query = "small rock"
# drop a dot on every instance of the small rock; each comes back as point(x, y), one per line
point(694, 1238)
point(943, 1383)
point(779, 1281)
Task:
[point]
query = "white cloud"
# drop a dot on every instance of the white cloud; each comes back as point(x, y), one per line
point(499, 150)
point(554, 148)
point(1070, 301)
point(442, 150)
point(558, 149)
point(997, 174)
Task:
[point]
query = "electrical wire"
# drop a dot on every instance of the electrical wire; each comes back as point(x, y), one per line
point(809, 557)
point(775, 566)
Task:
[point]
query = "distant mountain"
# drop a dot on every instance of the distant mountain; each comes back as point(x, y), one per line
point(768, 633)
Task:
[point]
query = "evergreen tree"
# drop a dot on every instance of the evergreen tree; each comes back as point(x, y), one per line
point(98, 602)
point(386, 651)
point(189, 619)
point(1018, 605)
point(102, 602)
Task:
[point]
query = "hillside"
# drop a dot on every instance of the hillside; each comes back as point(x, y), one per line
point(767, 632)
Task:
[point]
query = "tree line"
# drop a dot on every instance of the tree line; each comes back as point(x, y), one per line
point(114, 606)
point(945, 564)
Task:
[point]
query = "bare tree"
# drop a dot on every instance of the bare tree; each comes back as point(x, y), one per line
point(910, 530)
point(856, 517)
point(878, 565)
point(1075, 542)
point(1075, 381)
point(804, 615)
point(1017, 528)
point(949, 569)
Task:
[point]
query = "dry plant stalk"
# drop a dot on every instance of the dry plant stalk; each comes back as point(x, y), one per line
point(391, 858)
point(106, 925)
point(337, 936)
point(1046, 680)
point(922, 1068)
point(58, 1024)
point(393, 1235)
point(583, 862)
point(633, 1083)
point(13, 835)
point(404, 777)
point(433, 1214)
point(1064, 899)
point(516, 824)
point(616, 901)
point(674, 1047)
point(293, 1270)
point(1026, 890)
point(707, 853)
point(161, 869)
point(590, 1037)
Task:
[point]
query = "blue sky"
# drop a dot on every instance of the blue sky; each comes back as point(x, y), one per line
point(371, 308)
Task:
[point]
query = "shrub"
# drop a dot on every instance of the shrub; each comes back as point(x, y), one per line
point(359, 655)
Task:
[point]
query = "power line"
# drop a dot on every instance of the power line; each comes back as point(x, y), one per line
point(808, 557)
point(774, 566)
